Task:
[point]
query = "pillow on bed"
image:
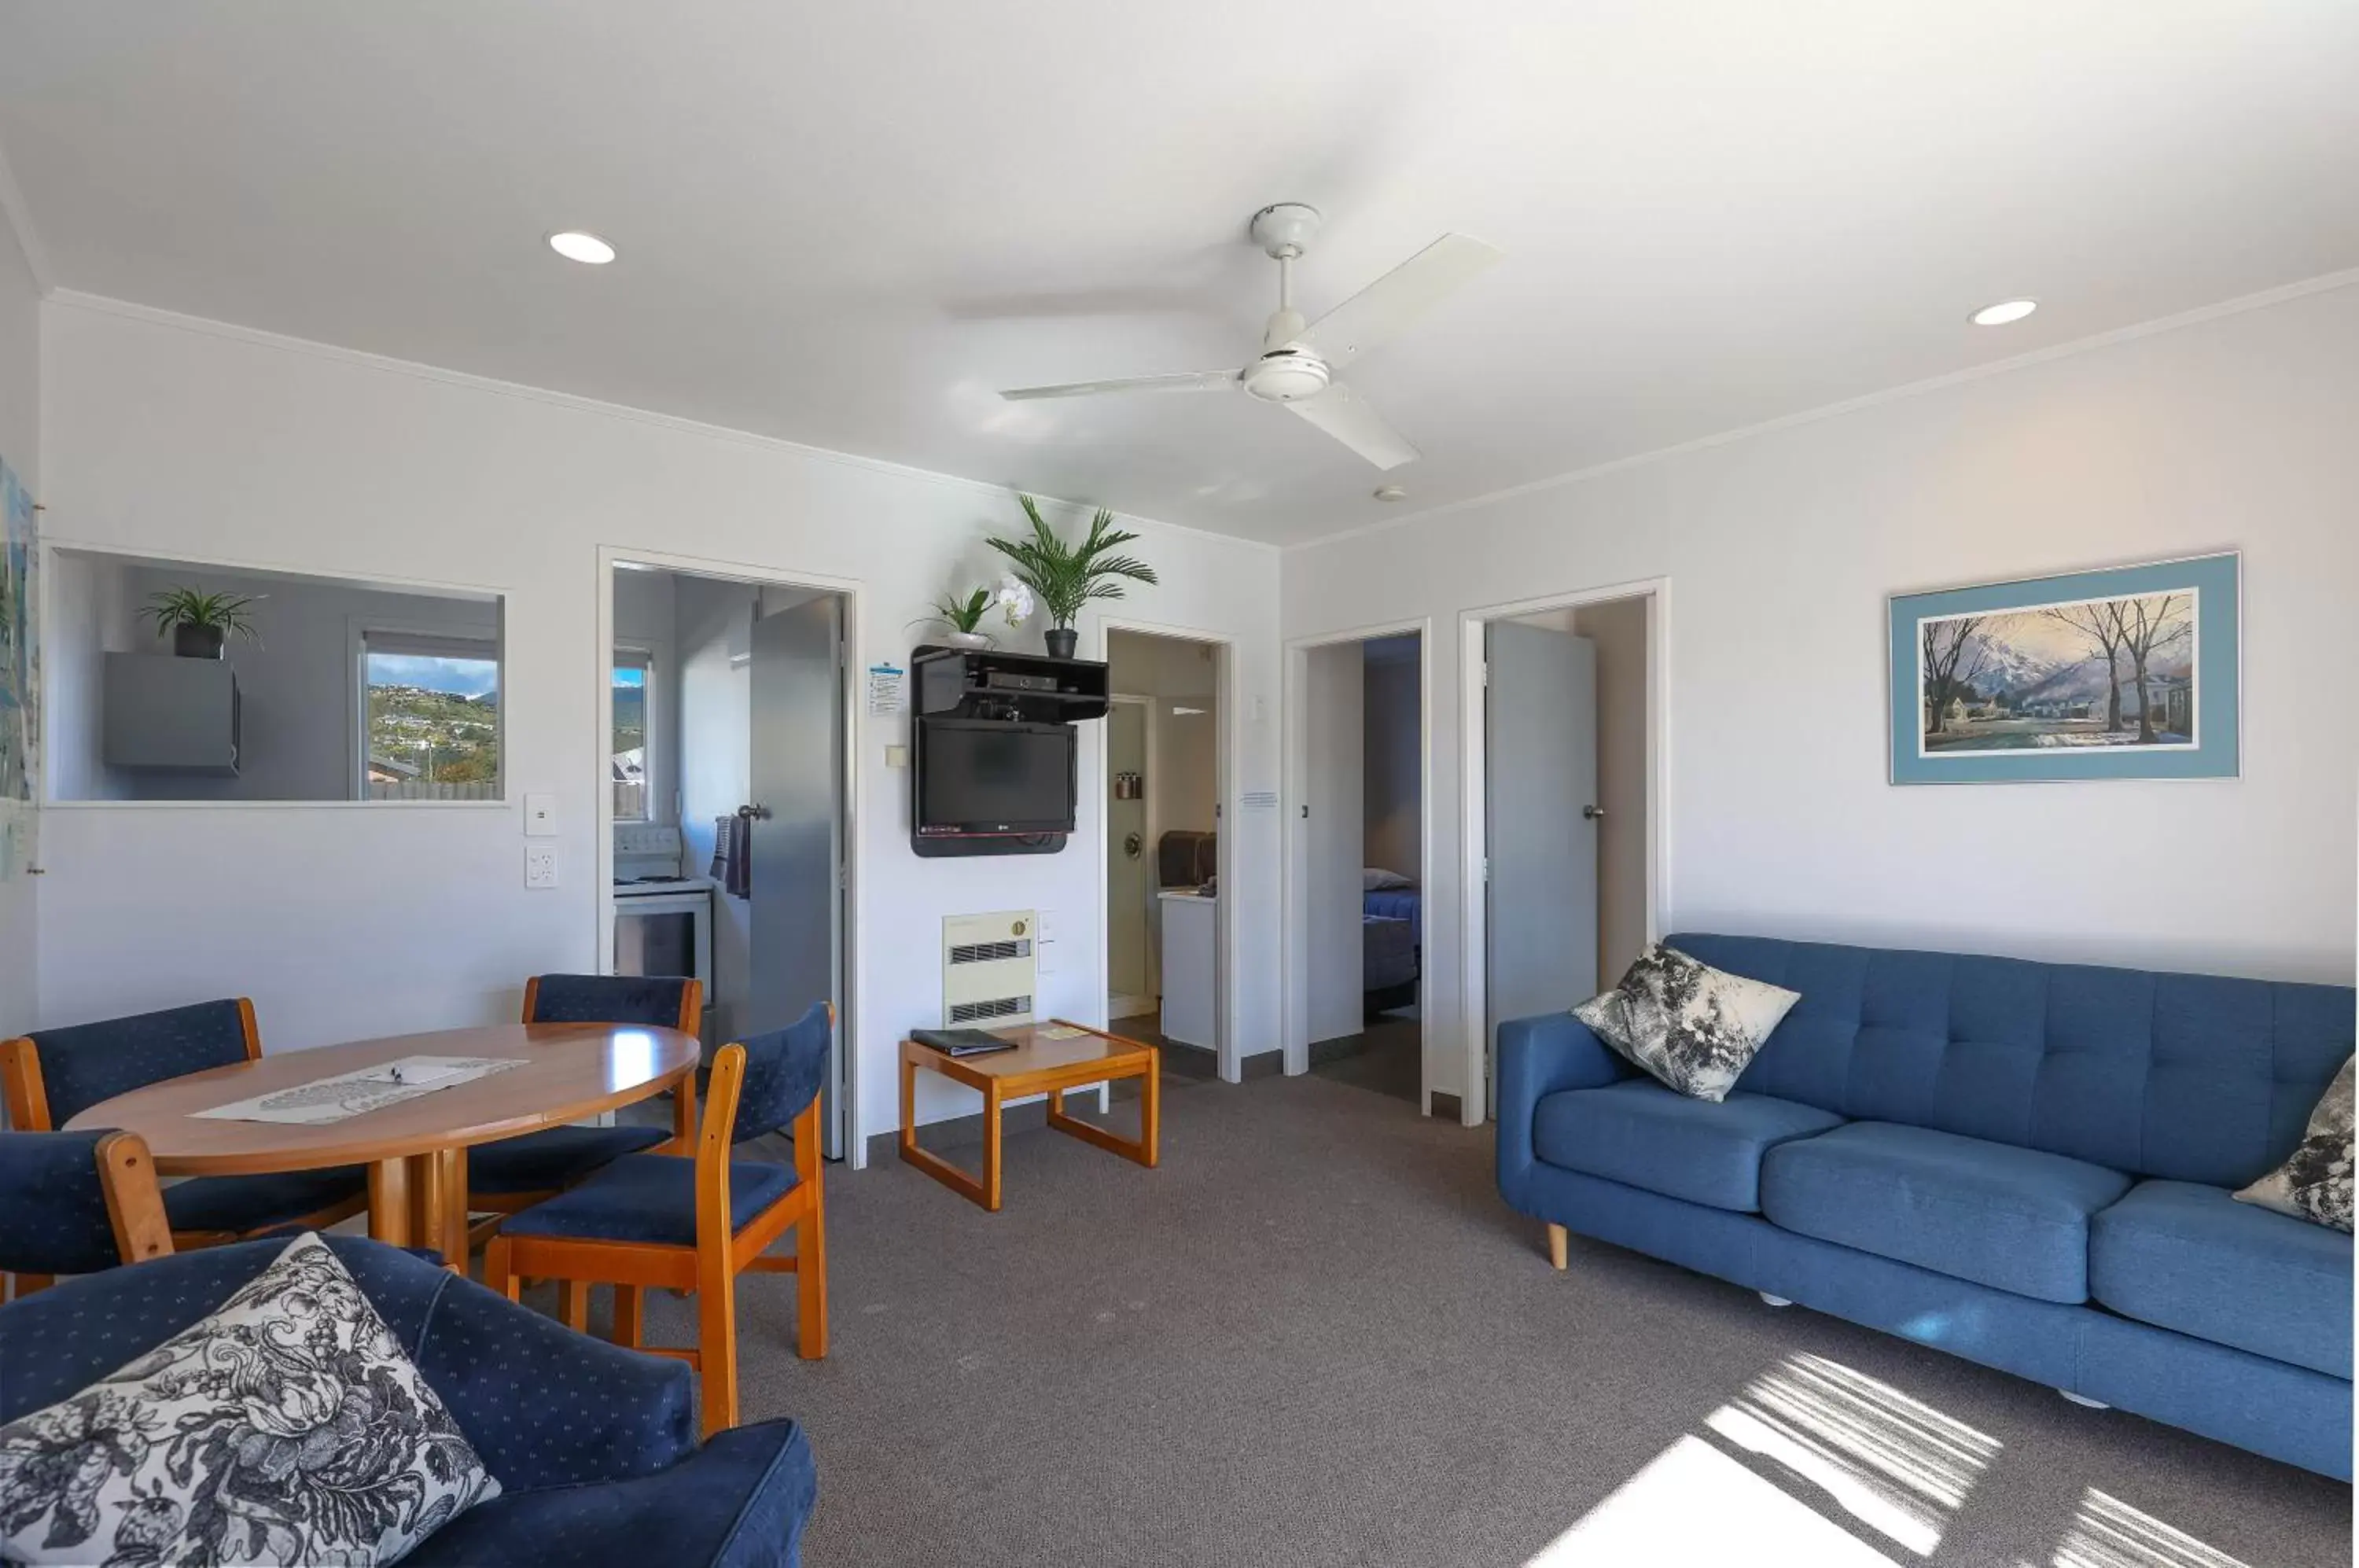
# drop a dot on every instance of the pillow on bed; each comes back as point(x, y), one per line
point(1377, 879)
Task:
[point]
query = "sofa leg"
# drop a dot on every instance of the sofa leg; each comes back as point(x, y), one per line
point(1559, 1240)
point(2084, 1401)
point(1774, 1300)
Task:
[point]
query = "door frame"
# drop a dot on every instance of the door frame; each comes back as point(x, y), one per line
point(1474, 939)
point(1232, 739)
point(851, 978)
point(1294, 950)
point(1105, 827)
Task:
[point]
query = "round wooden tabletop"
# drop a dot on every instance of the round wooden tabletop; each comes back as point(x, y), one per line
point(570, 1072)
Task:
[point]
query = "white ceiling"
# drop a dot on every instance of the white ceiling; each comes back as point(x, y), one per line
point(847, 225)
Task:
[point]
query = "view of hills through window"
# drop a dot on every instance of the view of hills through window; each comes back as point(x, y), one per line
point(433, 721)
point(630, 745)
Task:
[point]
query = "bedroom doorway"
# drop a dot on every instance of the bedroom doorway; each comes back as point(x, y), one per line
point(1359, 852)
point(1565, 830)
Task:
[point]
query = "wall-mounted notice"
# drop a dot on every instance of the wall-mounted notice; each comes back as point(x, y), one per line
point(1260, 800)
point(888, 690)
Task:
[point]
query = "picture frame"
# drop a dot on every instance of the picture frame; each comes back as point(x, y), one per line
point(2120, 672)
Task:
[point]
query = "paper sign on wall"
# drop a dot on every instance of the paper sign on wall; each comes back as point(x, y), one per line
point(888, 690)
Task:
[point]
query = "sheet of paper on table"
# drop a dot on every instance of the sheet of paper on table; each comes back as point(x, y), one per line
point(349, 1095)
point(1060, 1032)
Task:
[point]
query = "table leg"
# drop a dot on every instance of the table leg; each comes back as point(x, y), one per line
point(1151, 1110)
point(1142, 1148)
point(426, 1200)
point(991, 1147)
point(985, 1192)
point(388, 1194)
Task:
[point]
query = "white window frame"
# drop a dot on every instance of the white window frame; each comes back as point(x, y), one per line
point(460, 640)
point(655, 766)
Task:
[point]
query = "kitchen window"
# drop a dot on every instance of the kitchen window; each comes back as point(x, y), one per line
point(430, 717)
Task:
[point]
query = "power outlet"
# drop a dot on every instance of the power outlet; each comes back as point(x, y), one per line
point(540, 865)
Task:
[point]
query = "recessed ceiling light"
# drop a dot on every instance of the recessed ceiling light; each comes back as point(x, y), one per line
point(588, 249)
point(1391, 492)
point(2003, 312)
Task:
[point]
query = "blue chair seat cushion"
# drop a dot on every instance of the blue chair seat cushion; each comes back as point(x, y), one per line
point(2191, 1258)
point(240, 1204)
point(2014, 1219)
point(650, 1198)
point(1640, 1133)
point(553, 1158)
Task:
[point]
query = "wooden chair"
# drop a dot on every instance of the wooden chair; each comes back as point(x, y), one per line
point(516, 1172)
point(52, 1075)
point(75, 1203)
point(697, 1223)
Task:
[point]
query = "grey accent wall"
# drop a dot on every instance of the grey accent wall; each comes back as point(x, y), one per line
point(1394, 828)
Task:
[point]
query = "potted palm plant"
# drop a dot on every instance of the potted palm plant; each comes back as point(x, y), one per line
point(200, 624)
point(1066, 577)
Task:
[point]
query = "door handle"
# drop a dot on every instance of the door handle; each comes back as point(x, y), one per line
point(755, 813)
point(1131, 846)
point(1594, 813)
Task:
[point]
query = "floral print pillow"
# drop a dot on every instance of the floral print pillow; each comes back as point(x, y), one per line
point(2314, 1184)
point(1692, 1026)
point(286, 1428)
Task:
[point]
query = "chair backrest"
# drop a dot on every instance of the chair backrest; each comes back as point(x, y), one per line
point(75, 1203)
point(663, 1001)
point(782, 1073)
point(2186, 1077)
point(52, 1075)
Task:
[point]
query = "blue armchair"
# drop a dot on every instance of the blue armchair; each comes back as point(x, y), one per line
point(594, 1446)
point(53, 1075)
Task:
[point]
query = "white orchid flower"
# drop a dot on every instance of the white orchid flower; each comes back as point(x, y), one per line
point(1015, 601)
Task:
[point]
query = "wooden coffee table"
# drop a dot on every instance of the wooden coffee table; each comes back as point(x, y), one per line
point(1038, 1066)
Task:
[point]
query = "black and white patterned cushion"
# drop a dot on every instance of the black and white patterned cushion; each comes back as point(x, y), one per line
point(2314, 1184)
point(286, 1428)
point(1691, 1027)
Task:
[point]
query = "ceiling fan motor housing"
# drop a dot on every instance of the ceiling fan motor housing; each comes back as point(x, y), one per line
point(1287, 375)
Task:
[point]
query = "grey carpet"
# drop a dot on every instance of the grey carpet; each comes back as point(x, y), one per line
point(1315, 1337)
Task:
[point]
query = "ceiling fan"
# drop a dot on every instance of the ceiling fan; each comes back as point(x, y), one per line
point(1298, 361)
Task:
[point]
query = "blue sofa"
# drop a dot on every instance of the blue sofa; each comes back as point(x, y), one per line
point(2028, 1165)
point(594, 1448)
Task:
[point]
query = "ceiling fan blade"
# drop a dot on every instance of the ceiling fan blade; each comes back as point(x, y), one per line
point(1397, 299)
point(1193, 381)
point(1353, 420)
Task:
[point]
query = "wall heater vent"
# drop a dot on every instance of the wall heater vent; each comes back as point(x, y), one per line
point(987, 968)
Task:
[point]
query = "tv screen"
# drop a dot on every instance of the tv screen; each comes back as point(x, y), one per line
point(979, 776)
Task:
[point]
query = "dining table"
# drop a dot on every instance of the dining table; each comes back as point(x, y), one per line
point(415, 1150)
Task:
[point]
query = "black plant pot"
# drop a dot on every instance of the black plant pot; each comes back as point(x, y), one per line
point(197, 642)
point(1061, 641)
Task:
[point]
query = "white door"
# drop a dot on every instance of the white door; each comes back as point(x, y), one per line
point(1130, 863)
point(1335, 804)
point(795, 770)
point(1541, 816)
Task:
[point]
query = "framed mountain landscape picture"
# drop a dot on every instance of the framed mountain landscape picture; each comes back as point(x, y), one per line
point(2129, 672)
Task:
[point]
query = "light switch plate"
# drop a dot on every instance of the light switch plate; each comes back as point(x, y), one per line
point(896, 757)
point(540, 865)
point(540, 816)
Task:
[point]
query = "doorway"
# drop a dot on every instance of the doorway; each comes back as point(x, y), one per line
point(1564, 745)
point(1166, 979)
point(1358, 859)
point(725, 802)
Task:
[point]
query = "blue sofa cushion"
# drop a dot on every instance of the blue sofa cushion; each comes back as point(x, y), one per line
point(553, 1158)
point(2192, 1258)
point(739, 1502)
point(650, 1198)
point(2015, 1219)
point(1643, 1134)
point(240, 1204)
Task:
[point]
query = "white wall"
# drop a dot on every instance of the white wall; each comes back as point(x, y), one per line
point(1334, 854)
point(192, 440)
point(644, 619)
point(1780, 549)
point(1394, 810)
point(20, 444)
point(715, 627)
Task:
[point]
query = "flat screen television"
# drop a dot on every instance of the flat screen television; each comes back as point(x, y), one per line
point(991, 777)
